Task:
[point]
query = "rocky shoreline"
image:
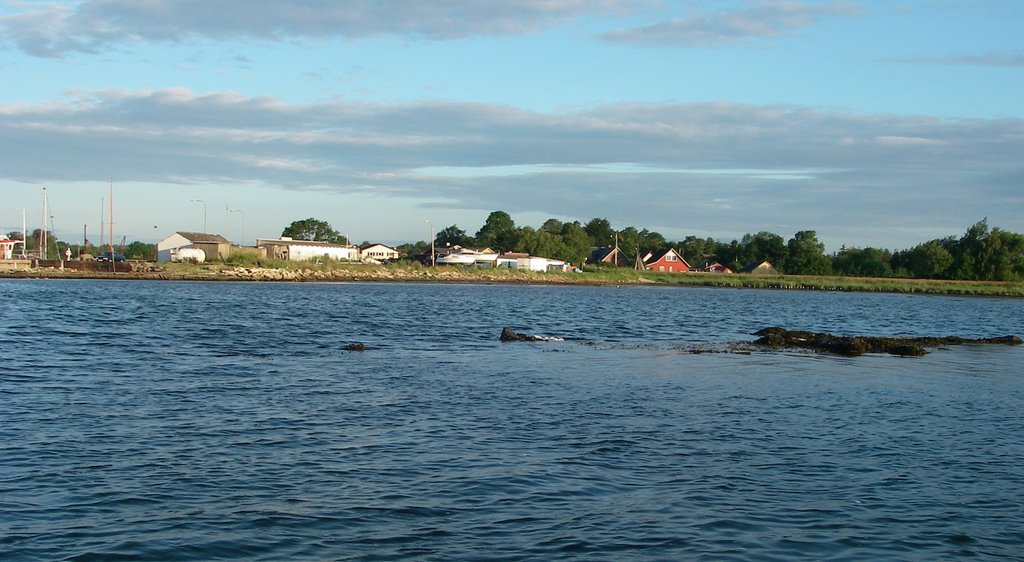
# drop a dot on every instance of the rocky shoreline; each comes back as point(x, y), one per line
point(262, 274)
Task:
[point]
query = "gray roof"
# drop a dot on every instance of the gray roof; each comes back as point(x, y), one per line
point(202, 237)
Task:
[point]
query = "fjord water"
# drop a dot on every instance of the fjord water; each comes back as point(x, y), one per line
point(203, 421)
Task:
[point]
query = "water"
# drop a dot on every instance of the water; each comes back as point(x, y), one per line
point(174, 421)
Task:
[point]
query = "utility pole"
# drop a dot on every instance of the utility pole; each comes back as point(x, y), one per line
point(433, 261)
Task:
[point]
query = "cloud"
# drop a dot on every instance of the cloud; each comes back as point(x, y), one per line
point(1007, 59)
point(90, 26)
point(659, 166)
point(725, 27)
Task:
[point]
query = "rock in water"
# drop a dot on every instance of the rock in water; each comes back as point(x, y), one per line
point(853, 346)
point(508, 334)
point(355, 347)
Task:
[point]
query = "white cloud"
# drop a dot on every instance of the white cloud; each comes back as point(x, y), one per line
point(658, 166)
point(90, 26)
point(727, 26)
point(1007, 59)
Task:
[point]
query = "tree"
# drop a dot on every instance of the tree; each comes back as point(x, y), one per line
point(539, 243)
point(140, 251)
point(452, 236)
point(696, 251)
point(807, 255)
point(762, 246)
point(930, 260)
point(600, 232)
point(499, 232)
point(552, 226)
point(576, 244)
point(313, 229)
point(867, 262)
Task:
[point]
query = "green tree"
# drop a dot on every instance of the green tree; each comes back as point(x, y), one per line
point(140, 251)
point(696, 250)
point(552, 226)
point(452, 236)
point(313, 229)
point(762, 246)
point(630, 241)
point(930, 260)
point(576, 244)
point(807, 255)
point(539, 243)
point(600, 232)
point(867, 262)
point(651, 241)
point(499, 232)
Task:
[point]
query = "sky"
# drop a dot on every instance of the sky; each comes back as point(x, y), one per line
point(873, 123)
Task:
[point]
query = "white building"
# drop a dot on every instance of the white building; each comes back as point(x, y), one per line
point(303, 250)
point(214, 246)
point(378, 252)
point(527, 262)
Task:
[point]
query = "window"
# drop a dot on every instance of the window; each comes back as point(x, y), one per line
point(670, 257)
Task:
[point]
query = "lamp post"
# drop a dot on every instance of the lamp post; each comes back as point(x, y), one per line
point(432, 260)
point(243, 224)
point(204, 212)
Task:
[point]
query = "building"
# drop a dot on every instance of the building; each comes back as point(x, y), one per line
point(378, 252)
point(667, 260)
point(608, 255)
point(526, 262)
point(289, 249)
point(763, 267)
point(215, 246)
point(713, 267)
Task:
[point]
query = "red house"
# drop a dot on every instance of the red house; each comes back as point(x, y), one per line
point(668, 261)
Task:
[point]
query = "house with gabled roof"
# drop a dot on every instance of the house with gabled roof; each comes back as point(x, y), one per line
point(667, 260)
point(380, 252)
point(712, 267)
point(763, 267)
point(607, 254)
point(215, 246)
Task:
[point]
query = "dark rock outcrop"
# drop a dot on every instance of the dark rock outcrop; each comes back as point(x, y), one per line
point(852, 346)
point(508, 334)
point(355, 347)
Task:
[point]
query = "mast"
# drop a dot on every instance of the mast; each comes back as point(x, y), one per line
point(110, 240)
point(42, 231)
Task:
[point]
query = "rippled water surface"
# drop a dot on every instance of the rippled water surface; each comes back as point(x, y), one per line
point(170, 421)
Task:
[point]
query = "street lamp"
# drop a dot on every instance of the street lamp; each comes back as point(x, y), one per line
point(432, 260)
point(204, 212)
point(243, 224)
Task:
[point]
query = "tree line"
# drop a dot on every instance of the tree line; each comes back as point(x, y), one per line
point(982, 253)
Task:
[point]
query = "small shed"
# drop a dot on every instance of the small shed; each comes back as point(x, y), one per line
point(215, 246)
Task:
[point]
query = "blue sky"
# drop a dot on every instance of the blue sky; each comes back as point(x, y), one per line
point(880, 123)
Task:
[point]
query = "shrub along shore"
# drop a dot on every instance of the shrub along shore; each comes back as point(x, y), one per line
point(342, 272)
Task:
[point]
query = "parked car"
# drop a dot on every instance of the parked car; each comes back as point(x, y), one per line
point(107, 256)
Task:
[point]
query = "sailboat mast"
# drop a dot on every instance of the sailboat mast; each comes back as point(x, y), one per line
point(113, 262)
point(42, 231)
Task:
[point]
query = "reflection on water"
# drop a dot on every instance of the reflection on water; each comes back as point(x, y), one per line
point(167, 421)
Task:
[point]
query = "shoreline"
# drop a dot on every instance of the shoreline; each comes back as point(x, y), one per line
point(452, 275)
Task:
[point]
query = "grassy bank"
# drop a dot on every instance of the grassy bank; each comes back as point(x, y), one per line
point(340, 271)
